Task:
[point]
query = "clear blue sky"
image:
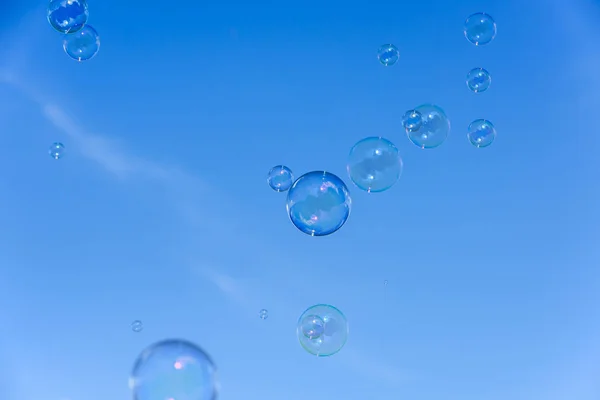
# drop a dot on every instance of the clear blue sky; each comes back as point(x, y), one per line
point(160, 210)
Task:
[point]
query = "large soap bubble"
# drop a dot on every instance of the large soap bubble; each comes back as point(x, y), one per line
point(374, 164)
point(280, 178)
point(478, 80)
point(480, 29)
point(481, 133)
point(388, 55)
point(82, 45)
point(67, 16)
point(434, 129)
point(322, 330)
point(174, 369)
point(318, 203)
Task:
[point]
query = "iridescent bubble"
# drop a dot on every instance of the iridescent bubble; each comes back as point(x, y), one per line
point(481, 133)
point(57, 150)
point(280, 178)
point(318, 203)
point(434, 129)
point(480, 29)
point(478, 80)
point(263, 314)
point(322, 330)
point(174, 369)
point(411, 121)
point(67, 16)
point(374, 164)
point(83, 44)
point(388, 54)
point(137, 326)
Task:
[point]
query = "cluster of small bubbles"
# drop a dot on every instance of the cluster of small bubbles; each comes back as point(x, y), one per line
point(174, 369)
point(67, 16)
point(280, 178)
point(411, 121)
point(137, 326)
point(322, 330)
point(83, 44)
point(388, 54)
point(263, 314)
point(481, 133)
point(57, 150)
point(318, 203)
point(374, 164)
point(478, 80)
point(480, 29)
point(434, 128)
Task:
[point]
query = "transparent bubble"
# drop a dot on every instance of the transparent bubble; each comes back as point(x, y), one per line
point(137, 326)
point(388, 54)
point(481, 133)
point(280, 178)
point(67, 16)
point(322, 330)
point(263, 314)
point(174, 369)
point(318, 203)
point(57, 150)
point(411, 121)
point(478, 80)
point(434, 129)
point(374, 164)
point(83, 44)
point(480, 29)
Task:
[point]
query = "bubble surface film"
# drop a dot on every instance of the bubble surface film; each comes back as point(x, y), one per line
point(322, 330)
point(388, 54)
point(434, 129)
point(280, 178)
point(480, 29)
point(82, 45)
point(374, 164)
point(481, 133)
point(67, 16)
point(478, 80)
point(57, 150)
point(173, 369)
point(318, 203)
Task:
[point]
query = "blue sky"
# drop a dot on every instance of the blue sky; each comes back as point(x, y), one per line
point(160, 210)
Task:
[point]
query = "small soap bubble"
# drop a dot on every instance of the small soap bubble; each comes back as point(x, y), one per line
point(67, 16)
point(480, 29)
point(263, 314)
point(434, 129)
point(280, 178)
point(388, 54)
point(481, 133)
point(478, 80)
point(318, 203)
point(322, 330)
point(374, 164)
point(82, 45)
point(411, 121)
point(57, 150)
point(137, 326)
point(174, 369)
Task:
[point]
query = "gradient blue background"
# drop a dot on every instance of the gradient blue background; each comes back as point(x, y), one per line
point(160, 210)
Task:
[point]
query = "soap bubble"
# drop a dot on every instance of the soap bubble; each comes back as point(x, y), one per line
point(322, 330)
point(434, 129)
point(83, 44)
point(481, 133)
point(263, 314)
point(318, 203)
point(478, 80)
point(137, 326)
point(173, 369)
point(280, 178)
point(388, 54)
point(411, 121)
point(374, 164)
point(480, 29)
point(67, 16)
point(57, 150)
